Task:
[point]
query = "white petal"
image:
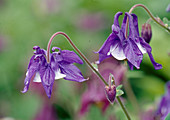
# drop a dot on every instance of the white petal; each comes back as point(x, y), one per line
point(59, 75)
point(142, 49)
point(117, 52)
point(37, 77)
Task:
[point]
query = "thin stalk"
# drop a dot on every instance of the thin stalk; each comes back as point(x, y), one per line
point(120, 102)
point(80, 53)
point(150, 14)
point(123, 108)
point(88, 63)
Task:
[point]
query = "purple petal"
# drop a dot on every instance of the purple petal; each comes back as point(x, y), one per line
point(115, 29)
point(148, 48)
point(54, 60)
point(47, 76)
point(163, 109)
point(55, 67)
point(135, 23)
point(54, 48)
point(123, 27)
point(71, 57)
point(116, 17)
point(72, 72)
point(106, 47)
point(116, 50)
point(39, 51)
point(132, 29)
point(132, 52)
point(130, 65)
point(33, 67)
point(66, 55)
point(164, 105)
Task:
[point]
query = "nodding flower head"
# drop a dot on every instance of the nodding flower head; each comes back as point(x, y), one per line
point(146, 32)
point(59, 66)
point(131, 47)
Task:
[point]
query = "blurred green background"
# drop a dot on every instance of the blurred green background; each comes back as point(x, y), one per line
point(26, 23)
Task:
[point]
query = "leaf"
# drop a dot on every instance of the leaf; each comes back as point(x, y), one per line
point(119, 93)
point(119, 87)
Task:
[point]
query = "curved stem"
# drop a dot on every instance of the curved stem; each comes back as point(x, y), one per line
point(88, 63)
point(150, 14)
point(80, 53)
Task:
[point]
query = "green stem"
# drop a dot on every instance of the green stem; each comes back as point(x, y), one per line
point(150, 14)
point(80, 53)
point(123, 108)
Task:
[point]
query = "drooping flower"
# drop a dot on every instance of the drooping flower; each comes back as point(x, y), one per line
point(60, 66)
point(164, 105)
point(95, 93)
point(131, 48)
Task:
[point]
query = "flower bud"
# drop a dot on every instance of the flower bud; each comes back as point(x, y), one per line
point(110, 89)
point(110, 93)
point(146, 32)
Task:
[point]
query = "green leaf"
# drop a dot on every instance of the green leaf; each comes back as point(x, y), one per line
point(119, 87)
point(119, 92)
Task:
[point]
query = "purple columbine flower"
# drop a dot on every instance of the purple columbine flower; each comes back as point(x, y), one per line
point(164, 105)
point(60, 66)
point(131, 48)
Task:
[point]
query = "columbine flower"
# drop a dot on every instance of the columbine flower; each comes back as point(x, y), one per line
point(164, 106)
point(60, 66)
point(131, 48)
